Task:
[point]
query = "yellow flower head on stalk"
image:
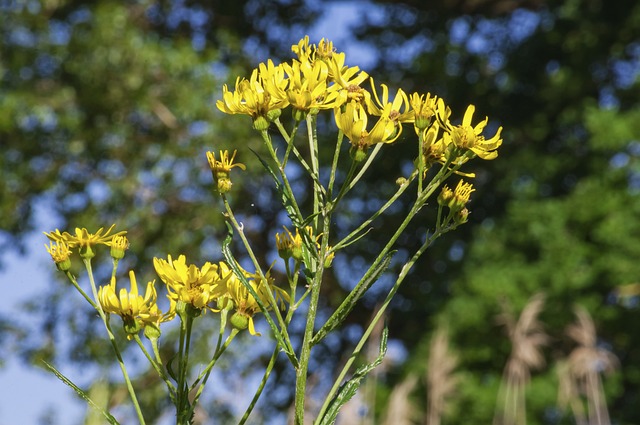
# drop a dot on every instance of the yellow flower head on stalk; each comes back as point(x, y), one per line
point(308, 90)
point(244, 303)
point(187, 283)
point(84, 240)
point(468, 137)
point(119, 244)
point(348, 78)
point(424, 109)
point(60, 253)
point(397, 111)
point(135, 310)
point(251, 98)
point(221, 169)
point(353, 120)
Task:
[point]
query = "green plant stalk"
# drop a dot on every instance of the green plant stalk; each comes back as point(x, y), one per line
point(303, 163)
point(305, 353)
point(401, 276)
point(287, 138)
point(263, 382)
point(183, 390)
point(366, 165)
point(114, 344)
point(355, 293)
point(347, 239)
point(283, 329)
point(334, 164)
point(315, 168)
point(157, 367)
point(209, 367)
point(285, 179)
point(73, 280)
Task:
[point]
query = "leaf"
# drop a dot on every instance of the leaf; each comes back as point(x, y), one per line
point(288, 200)
point(226, 251)
point(81, 393)
point(349, 388)
point(347, 305)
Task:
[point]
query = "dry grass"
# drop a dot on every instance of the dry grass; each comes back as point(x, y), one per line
point(527, 339)
point(582, 375)
point(441, 382)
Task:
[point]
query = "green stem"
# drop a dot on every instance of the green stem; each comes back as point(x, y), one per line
point(334, 164)
point(366, 165)
point(258, 393)
point(347, 240)
point(285, 179)
point(315, 168)
point(283, 329)
point(403, 273)
point(183, 407)
point(114, 344)
point(73, 280)
point(157, 367)
point(207, 370)
point(305, 353)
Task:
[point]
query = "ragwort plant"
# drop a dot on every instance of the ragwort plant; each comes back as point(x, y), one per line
point(316, 82)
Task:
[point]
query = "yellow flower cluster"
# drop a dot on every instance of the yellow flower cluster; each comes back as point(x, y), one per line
point(201, 287)
point(137, 312)
point(187, 285)
point(319, 79)
point(83, 240)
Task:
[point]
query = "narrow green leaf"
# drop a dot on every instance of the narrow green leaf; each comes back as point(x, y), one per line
point(287, 198)
point(81, 393)
point(347, 305)
point(226, 251)
point(349, 388)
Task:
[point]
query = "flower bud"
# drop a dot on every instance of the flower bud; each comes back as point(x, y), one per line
point(119, 244)
point(261, 123)
point(239, 321)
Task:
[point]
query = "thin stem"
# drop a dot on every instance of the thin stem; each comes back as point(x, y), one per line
point(210, 366)
point(258, 393)
point(285, 179)
point(283, 329)
point(315, 168)
point(114, 344)
point(157, 368)
point(73, 280)
point(366, 165)
point(305, 353)
point(334, 164)
point(403, 273)
point(344, 242)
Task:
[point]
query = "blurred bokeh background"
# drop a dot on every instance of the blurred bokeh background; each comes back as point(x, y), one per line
point(107, 108)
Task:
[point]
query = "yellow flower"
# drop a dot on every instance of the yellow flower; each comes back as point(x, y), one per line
point(398, 111)
point(221, 168)
point(136, 311)
point(244, 303)
point(60, 254)
point(308, 90)
point(456, 199)
point(251, 98)
point(188, 283)
point(119, 244)
point(424, 109)
point(468, 137)
point(352, 119)
point(85, 240)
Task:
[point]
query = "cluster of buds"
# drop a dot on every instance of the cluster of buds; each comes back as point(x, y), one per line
point(456, 200)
